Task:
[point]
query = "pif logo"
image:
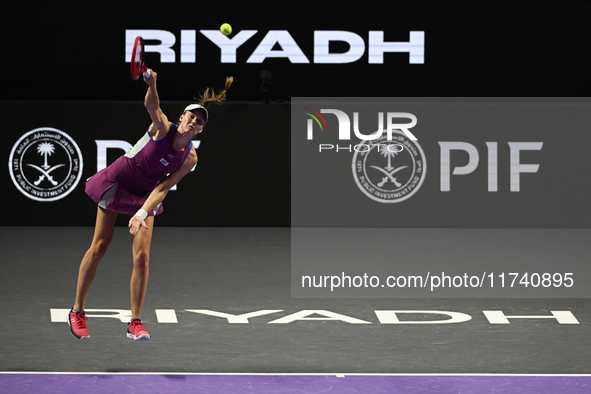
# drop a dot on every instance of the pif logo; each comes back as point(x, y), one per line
point(45, 164)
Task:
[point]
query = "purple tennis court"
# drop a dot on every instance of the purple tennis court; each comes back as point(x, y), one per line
point(407, 384)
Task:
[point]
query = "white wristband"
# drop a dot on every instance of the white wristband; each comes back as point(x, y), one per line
point(141, 213)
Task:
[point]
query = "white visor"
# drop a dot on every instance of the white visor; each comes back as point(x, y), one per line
point(192, 107)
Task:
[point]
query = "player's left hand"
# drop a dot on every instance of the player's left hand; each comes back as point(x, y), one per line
point(135, 223)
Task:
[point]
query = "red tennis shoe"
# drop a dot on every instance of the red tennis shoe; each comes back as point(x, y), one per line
point(136, 332)
point(77, 323)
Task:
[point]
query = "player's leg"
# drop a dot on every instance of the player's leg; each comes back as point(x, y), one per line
point(139, 279)
point(103, 233)
point(141, 267)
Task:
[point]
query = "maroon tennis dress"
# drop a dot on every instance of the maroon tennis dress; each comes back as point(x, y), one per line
point(125, 185)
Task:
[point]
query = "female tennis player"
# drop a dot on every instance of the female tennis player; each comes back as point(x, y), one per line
point(134, 185)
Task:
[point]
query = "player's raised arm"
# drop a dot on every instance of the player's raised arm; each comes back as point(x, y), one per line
point(160, 122)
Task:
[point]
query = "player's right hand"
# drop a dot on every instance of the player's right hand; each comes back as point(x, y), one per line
point(150, 77)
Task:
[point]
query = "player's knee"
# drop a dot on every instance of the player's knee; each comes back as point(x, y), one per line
point(141, 259)
point(99, 247)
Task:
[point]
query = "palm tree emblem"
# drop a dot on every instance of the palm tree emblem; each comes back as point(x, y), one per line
point(389, 171)
point(45, 149)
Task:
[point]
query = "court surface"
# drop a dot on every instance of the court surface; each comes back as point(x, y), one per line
point(222, 319)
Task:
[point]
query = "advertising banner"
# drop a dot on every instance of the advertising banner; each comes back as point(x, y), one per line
point(310, 48)
point(51, 148)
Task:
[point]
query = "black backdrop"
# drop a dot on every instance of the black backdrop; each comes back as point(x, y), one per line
point(69, 59)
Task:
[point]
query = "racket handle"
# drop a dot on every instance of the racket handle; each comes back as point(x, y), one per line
point(148, 73)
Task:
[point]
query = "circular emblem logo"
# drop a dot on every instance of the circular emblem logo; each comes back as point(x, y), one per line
point(389, 171)
point(45, 164)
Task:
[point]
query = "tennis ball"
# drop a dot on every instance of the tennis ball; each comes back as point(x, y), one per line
point(226, 29)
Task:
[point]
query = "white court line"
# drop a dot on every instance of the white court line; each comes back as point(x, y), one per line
point(340, 375)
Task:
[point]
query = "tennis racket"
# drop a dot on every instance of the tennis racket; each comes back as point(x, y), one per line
point(138, 64)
